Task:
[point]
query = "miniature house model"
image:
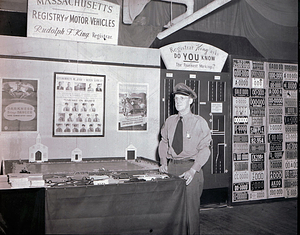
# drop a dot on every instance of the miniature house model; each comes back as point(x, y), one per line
point(76, 155)
point(130, 152)
point(38, 152)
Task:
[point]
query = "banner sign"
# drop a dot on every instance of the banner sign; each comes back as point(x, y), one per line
point(193, 56)
point(77, 20)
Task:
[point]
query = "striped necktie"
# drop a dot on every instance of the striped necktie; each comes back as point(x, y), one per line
point(177, 143)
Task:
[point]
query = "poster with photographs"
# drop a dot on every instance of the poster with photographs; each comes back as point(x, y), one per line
point(78, 105)
point(133, 111)
point(19, 105)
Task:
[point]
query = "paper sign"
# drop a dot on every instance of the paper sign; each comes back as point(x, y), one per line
point(193, 56)
point(77, 20)
point(216, 107)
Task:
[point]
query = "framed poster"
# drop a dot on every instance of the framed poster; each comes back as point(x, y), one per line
point(78, 105)
point(133, 110)
point(19, 105)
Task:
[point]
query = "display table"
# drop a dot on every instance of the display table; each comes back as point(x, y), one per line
point(156, 207)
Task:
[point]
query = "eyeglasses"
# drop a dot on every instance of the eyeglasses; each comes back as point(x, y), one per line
point(181, 98)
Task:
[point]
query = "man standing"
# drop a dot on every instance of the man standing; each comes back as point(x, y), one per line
point(184, 150)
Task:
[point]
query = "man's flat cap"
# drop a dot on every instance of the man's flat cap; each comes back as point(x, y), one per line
point(183, 89)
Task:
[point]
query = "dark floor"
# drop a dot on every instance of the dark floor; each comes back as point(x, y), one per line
point(274, 217)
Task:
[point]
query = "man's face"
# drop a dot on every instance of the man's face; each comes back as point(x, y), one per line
point(182, 102)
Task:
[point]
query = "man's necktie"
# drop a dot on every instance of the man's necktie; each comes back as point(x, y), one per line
point(178, 137)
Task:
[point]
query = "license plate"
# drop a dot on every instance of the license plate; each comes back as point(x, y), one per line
point(257, 175)
point(276, 155)
point(257, 139)
point(276, 183)
point(257, 148)
point(258, 82)
point(290, 102)
point(291, 154)
point(291, 192)
point(241, 73)
point(275, 66)
point(276, 146)
point(275, 84)
point(275, 92)
point(291, 136)
point(240, 166)
point(290, 120)
point(240, 156)
point(241, 176)
point(291, 146)
point(238, 101)
point(289, 94)
point(291, 164)
point(240, 196)
point(240, 119)
point(291, 128)
point(276, 192)
point(275, 101)
point(257, 166)
point(240, 139)
point(290, 183)
point(275, 111)
point(240, 129)
point(257, 112)
point(275, 128)
point(291, 174)
point(257, 121)
point(275, 75)
point(241, 64)
point(290, 76)
point(291, 111)
point(276, 174)
point(258, 92)
point(257, 65)
point(254, 130)
point(257, 102)
point(240, 82)
point(258, 157)
point(275, 137)
point(240, 147)
point(257, 74)
point(241, 186)
point(241, 92)
point(275, 164)
point(240, 110)
point(257, 185)
point(256, 195)
point(290, 85)
point(275, 119)
point(291, 67)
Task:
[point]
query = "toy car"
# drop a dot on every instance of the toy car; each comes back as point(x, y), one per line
point(56, 179)
point(78, 176)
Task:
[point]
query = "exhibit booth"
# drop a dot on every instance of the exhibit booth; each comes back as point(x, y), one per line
point(81, 119)
point(32, 114)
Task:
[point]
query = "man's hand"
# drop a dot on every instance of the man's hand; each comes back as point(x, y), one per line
point(163, 169)
point(188, 176)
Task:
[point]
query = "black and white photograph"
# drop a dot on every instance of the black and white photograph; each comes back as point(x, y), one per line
point(79, 103)
point(132, 107)
point(135, 117)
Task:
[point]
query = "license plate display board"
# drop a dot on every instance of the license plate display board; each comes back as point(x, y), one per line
point(264, 130)
point(282, 139)
point(249, 130)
